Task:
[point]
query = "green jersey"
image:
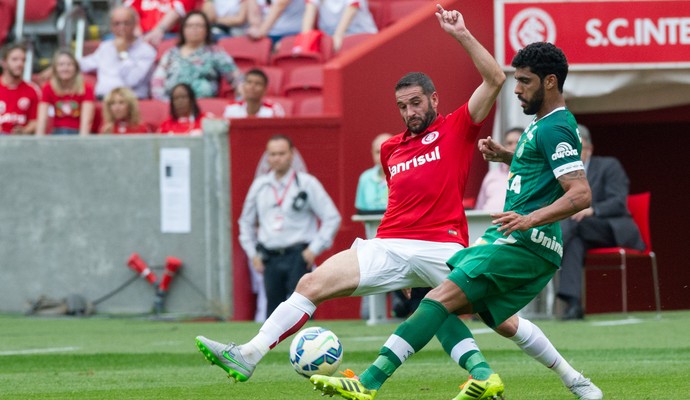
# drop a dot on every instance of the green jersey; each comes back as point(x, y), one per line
point(548, 148)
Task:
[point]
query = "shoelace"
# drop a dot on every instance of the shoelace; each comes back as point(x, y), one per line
point(348, 373)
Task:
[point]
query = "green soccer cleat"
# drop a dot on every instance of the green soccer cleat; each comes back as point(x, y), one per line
point(227, 357)
point(473, 389)
point(348, 388)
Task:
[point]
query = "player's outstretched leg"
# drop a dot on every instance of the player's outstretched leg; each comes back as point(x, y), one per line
point(228, 357)
point(348, 388)
point(584, 389)
point(473, 389)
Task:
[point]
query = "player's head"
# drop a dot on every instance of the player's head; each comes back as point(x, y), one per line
point(254, 85)
point(13, 60)
point(279, 150)
point(511, 137)
point(540, 68)
point(376, 146)
point(586, 138)
point(417, 101)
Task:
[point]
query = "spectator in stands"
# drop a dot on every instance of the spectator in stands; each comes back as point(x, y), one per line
point(339, 18)
point(18, 99)
point(227, 17)
point(71, 99)
point(121, 113)
point(253, 105)
point(287, 220)
point(185, 115)
point(606, 223)
point(492, 193)
point(194, 61)
point(274, 19)
point(125, 61)
point(159, 17)
point(372, 188)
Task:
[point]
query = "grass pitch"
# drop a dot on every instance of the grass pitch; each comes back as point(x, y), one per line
point(628, 357)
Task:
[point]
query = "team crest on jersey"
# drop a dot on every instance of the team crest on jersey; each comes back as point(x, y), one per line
point(520, 150)
point(563, 150)
point(3, 107)
point(23, 103)
point(430, 137)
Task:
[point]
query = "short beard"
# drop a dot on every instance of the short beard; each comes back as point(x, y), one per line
point(429, 118)
point(536, 103)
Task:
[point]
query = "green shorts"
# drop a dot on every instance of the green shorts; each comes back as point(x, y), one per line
point(499, 279)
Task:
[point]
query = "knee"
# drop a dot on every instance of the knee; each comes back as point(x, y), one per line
point(508, 328)
point(309, 287)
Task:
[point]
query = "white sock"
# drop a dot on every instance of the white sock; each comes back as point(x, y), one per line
point(284, 321)
point(532, 341)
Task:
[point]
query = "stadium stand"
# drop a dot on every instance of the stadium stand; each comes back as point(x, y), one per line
point(153, 112)
point(247, 53)
point(303, 82)
point(285, 58)
point(310, 107)
point(214, 105)
point(351, 41)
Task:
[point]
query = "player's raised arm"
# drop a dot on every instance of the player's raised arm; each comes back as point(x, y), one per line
point(493, 77)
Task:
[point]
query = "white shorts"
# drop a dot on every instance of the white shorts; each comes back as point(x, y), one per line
point(386, 265)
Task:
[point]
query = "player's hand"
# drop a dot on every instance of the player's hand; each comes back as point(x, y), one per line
point(258, 264)
point(510, 222)
point(451, 21)
point(309, 257)
point(491, 150)
point(582, 214)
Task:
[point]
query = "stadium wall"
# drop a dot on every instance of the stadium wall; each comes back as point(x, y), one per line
point(75, 209)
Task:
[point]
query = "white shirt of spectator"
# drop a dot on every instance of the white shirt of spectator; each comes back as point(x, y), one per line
point(330, 12)
point(267, 110)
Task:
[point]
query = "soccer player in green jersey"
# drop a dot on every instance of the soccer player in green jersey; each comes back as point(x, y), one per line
point(520, 253)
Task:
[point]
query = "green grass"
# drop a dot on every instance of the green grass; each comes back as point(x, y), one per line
point(125, 358)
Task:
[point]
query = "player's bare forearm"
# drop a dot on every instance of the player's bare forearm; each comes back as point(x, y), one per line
point(577, 197)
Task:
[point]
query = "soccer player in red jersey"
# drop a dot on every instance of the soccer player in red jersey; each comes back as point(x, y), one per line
point(18, 99)
point(426, 167)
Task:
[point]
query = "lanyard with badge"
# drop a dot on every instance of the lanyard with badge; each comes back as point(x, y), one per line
point(298, 203)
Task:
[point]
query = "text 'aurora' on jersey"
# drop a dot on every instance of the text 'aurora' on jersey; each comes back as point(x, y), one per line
point(563, 150)
point(433, 155)
point(550, 243)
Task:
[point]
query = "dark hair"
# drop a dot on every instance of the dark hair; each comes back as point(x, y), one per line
point(280, 136)
point(543, 59)
point(209, 37)
point(259, 73)
point(416, 79)
point(11, 47)
point(192, 98)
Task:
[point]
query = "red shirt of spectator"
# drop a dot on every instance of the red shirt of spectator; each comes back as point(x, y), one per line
point(152, 11)
point(124, 128)
point(184, 125)
point(18, 105)
point(68, 106)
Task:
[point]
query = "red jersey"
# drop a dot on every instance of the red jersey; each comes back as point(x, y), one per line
point(18, 105)
point(426, 177)
point(123, 128)
point(152, 11)
point(68, 106)
point(183, 125)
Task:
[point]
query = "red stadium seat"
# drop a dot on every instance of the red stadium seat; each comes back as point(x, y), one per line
point(39, 10)
point(246, 52)
point(165, 45)
point(304, 81)
point(153, 112)
point(615, 258)
point(310, 106)
point(285, 58)
point(215, 105)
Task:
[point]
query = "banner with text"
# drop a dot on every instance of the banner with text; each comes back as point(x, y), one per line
point(598, 34)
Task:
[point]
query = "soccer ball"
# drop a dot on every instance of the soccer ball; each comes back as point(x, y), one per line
point(316, 351)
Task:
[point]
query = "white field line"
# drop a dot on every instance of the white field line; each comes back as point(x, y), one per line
point(38, 351)
point(627, 321)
